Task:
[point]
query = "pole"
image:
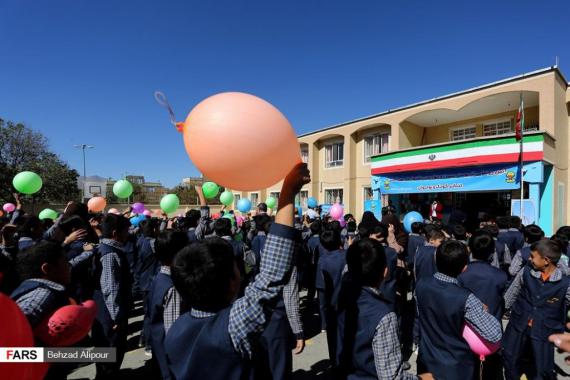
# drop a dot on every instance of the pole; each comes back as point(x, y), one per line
point(521, 155)
point(84, 171)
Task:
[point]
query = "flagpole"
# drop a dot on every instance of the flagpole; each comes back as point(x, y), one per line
point(521, 155)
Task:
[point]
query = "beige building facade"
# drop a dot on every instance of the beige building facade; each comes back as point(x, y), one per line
point(340, 156)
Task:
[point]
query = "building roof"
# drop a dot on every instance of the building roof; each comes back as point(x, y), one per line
point(554, 69)
point(93, 178)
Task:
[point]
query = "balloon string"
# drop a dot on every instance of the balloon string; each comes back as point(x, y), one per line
point(481, 367)
point(163, 101)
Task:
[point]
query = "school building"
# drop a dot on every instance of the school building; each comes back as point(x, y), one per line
point(459, 147)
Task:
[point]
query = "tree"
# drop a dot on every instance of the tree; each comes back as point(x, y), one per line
point(21, 149)
point(187, 195)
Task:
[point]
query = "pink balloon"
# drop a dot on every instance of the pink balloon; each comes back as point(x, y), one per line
point(96, 204)
point(342, 222)
point(113, 211)
point(231, 121)
point(67, 325)
point(147, 213)
point(477, 344)
point(138, 208)
point(336, 211)
point(9, 207)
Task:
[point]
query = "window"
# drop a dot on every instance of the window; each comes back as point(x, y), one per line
point(374, 145)
point(462, 133)
point(333, 196)
point(254, 198)
point(275, 194)
point(305, 155)
point(301, 198)
point(334, 155)
point(368, 193)
point(499, 128)
point(237, 197)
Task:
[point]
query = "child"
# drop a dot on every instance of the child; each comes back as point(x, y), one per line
point(369, 347)
point(509, 232)
point(459, 233)
point(164, 301)
point(502, 256)
point(223, 230)
point(112, 292)
point(415, 241)
point(424, 265)
point(313, 259)
point(214, 340)
point(45, 271)
point(487, 283)
point(532, 234)
point(329, 275)
point(30, 232)
point(537, 298)
point(388, 287)
point(443, 308)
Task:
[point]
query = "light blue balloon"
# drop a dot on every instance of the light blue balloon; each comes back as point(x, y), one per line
point(410, 218)
point(312, 202)
point(137, 219)
point(244, 205)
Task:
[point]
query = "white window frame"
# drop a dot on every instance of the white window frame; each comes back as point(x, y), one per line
point(338, 163)
point(303, 197)
point(368, 159)
point(237, 197)
point(305, 155)
point(495, 123)
point(463, 127)
point(325, 190)
point(254, 204)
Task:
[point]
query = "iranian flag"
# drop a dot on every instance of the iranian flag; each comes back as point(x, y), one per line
point(519, 128)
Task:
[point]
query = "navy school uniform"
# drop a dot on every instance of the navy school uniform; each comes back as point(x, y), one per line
point(80, 287)
point(331, 269)
point(424, 265)
point(503, 254)
point(310, 273)
point(388, 286)
point(112, 295)
point(147, 264)
point(161, 285)
point(538, 310)
point(415, 241)
point(39, 298)
point(360, 312)
point(25, 243)
point(442, 349)
point(191, 233)
point(512, 238)
point(239, 250)
point(487, 283)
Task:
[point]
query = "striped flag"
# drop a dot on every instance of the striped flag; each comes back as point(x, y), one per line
point(519, 128)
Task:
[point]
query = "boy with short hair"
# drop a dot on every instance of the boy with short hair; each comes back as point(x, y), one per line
point(215, 339)
point(415, 241)
point(487, 283)
point(532, 234)
point(369, 346)
point(444, 307)
point(164, 302)
point(46, 272)
point(424, 264)
point(112, 292)
point(538, 298)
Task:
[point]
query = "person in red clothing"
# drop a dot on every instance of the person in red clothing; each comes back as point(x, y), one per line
point(436, 210)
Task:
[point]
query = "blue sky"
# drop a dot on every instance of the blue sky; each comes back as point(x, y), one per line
point(85, 71)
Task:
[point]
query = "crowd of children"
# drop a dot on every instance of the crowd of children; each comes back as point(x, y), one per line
point(222, 299)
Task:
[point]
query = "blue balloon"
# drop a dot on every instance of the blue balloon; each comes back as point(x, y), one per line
point(412, 217)
point(312, 202)
point(244, 205)
point(299, 210)
point(137, 219)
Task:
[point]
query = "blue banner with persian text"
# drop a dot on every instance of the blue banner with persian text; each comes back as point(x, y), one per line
point(482, 178)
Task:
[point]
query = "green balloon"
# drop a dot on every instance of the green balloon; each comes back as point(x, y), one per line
point(169, 203)
point(48, 213)
point(123, 188)
point(227, 198)
point(210, 190)
point(27, 182)
point(271, 202)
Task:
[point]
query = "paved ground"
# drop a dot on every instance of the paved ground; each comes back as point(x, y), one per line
point(311, 364)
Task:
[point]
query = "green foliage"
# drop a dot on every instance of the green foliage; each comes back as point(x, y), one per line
point(21, 149)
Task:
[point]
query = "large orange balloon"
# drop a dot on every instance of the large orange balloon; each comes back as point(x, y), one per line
point(240, 141)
